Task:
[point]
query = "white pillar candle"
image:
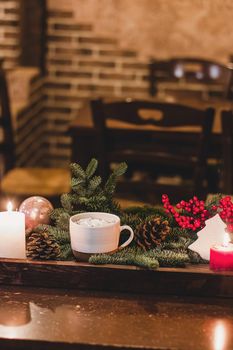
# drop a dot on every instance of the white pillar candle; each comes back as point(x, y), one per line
point(12, 234)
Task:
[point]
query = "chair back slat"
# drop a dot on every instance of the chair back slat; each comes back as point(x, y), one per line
point(199, 70)
point(189, 70)
point(151, 113)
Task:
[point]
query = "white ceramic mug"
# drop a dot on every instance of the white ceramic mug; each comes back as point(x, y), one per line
point(101, 239)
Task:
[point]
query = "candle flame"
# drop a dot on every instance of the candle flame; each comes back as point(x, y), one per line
point(9, 206)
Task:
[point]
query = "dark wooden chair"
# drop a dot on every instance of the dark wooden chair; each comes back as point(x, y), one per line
point(159, 141)
point(229, 87)
point(24, 182)
point(7, 140)
point(227, 142)
point(209, 76)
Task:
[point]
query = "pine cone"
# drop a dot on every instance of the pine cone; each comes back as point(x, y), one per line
point(151, 233)
point(42, 246)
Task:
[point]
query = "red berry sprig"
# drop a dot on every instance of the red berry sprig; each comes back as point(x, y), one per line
point(192, 215)
point(226, 212)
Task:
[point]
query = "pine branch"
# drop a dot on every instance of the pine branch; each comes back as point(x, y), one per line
point(120, 169)
point(77, 171)
point(195, 258)
point(151, 259)
point(74, 198)
point(175, 246)
point(77, 183)
point(91, 168)
point(132, 220)
point(60, 218)
point(61, 236)
point(110, 185)
point(168, 258)
point(146, 262)
point(112, 206)
point(127, 256)
point(93, 185)
point(94, 201)
point(88, 195)
point(66, 202)
point(62, 222)
point(66, 252)
point(54, 215)
point(178, 232)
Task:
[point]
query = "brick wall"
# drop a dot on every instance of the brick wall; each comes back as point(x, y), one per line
point(27, 99)
point(81, 65)
point(30, 131)
point(9, 32)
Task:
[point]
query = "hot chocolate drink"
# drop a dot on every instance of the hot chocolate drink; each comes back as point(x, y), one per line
point(94, 222)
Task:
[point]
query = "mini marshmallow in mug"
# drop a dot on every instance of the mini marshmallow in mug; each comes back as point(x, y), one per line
point(96, 232)
point(92, 222)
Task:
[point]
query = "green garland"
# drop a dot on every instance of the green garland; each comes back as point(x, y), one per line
point(88, 193)
point(151, 259)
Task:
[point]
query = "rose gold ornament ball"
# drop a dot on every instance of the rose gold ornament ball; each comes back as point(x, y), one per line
point(37, 210)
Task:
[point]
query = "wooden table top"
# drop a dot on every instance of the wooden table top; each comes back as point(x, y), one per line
point(84, 119)
point(62, 319)
point(113, 307)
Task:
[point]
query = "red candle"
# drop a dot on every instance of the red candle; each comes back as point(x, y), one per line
point(221, 257)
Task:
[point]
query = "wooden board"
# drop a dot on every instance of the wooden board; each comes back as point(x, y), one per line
point(193, 280)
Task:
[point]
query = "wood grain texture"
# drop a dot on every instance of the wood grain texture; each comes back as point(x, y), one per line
point(192, 280)
point(58, 319)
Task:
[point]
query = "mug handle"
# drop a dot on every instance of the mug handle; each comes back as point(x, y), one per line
point(129, 240)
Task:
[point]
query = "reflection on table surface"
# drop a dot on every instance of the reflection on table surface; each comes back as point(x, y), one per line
point(116, 319)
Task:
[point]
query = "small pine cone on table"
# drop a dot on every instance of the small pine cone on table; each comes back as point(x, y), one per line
point(42, 246)
point(151, 233)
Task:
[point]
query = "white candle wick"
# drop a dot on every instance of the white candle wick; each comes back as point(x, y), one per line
point(9, 206)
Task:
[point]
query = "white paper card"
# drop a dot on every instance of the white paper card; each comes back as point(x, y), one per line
point(213, 233)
